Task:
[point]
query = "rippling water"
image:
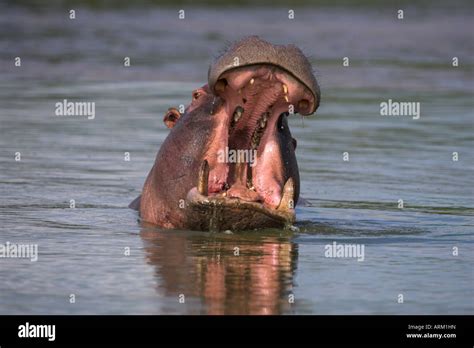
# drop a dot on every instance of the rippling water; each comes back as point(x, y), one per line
point(408, 251)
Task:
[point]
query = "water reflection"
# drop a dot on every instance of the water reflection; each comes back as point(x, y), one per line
point(245, 273)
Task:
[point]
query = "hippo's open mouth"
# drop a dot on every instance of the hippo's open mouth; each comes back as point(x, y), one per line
point(244, 168)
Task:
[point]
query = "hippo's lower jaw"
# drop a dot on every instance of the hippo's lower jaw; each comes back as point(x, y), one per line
point(217, 212)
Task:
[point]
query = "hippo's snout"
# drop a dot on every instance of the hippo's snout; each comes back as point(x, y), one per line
point(255, 51)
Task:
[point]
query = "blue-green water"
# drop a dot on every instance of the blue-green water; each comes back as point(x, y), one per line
point(408, 250)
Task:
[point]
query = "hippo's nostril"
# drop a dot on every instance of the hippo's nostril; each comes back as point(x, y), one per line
point(303, 104)
point(220, 85)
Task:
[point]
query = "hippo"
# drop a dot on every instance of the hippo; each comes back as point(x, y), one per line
point(229, 160)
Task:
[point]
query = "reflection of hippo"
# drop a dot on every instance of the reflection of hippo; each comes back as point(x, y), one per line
point(229, 161)
point(257, 281)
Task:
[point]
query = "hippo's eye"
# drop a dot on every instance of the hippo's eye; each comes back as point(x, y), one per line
point(196, 95)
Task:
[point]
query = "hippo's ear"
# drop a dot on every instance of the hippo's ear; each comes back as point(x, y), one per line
point(171, 117)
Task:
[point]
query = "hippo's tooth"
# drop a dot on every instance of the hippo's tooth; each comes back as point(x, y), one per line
point(287, 200)
point(303, 104)
point(238, 113)
point(263, 120)
point(286, 98)
point(203, 178)
point(285, 89)
point(249, 176)
point(252, 81)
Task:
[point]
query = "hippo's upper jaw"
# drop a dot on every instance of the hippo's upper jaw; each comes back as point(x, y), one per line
point(241, 169)
point(254, 51)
